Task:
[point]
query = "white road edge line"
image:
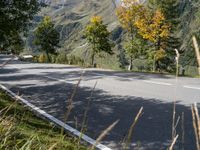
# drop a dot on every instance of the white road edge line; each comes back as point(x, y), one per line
point(156, 82)
point(56, 121)
point(191, 87)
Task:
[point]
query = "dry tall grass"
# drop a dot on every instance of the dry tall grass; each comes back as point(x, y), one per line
point(87, 108)
point(83, 125)
point(130, 132)
point(196, 46)
point(174, 122)
point(173, 142)
point(103, 134)
point(196, 124)
point(194, 109)
point(183, 130)
point(70, 101)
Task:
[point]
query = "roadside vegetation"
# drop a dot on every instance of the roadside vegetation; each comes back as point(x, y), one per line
point(21, 129)
point(46, 37)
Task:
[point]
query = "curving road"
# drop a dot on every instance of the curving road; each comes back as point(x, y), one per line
point(118, 95)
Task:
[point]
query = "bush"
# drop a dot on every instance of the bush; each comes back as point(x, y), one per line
point(62, 58)
point(74, 60)
point(53, 58)
point(43, 58)
point(36, 59)
point(191, 70)
point(141, 65)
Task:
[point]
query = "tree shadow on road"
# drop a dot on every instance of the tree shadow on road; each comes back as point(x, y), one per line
point(8, 71)
point(152, 132)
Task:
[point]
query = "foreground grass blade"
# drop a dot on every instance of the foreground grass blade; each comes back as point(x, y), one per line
point(130, 132)
point(104, 133)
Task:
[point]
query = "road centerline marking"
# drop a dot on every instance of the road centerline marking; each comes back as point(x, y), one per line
point(158, 83)
point(191, 87)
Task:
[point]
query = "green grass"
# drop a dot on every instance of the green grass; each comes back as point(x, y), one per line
point(21, 129)
point(196, 76)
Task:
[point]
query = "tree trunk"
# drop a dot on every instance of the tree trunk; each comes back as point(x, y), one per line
point(132, 46)
point(157, 66)
point(49, 59)
point(92, 59)
point(131, 64)
point(154, 63)
point(93, 52)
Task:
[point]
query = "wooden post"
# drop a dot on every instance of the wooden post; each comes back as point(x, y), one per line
point(197, 52)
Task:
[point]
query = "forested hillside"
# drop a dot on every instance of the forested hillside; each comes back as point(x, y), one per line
point(71, 18)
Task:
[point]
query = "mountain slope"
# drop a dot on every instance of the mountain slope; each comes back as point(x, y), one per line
point(71, 17)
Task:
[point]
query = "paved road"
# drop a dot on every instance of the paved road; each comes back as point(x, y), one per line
point(118, 95)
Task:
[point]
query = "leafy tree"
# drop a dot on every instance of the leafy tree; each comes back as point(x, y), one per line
point(134, 49)
point(15, 16)
point(128, 13)
point(16, 44)
point(47, 37)
point(98, 35)
point(152, 26)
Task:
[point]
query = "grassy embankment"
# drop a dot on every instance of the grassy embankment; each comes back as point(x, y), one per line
point(21, 129)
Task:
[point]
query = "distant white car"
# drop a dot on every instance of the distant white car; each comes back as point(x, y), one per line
point(26, 57)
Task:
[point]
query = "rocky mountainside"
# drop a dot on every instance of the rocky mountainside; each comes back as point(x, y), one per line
point(71, 17)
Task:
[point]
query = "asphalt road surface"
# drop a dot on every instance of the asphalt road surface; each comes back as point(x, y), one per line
point(118, 95)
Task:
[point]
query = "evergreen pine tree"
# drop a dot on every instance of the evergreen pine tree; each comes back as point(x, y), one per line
point(170, 9)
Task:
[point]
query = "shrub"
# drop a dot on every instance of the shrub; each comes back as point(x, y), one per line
point(43, 58)
point(141, 65)
point(53, 58)
point(191, 70)
point(62, 58)
point(75, 60)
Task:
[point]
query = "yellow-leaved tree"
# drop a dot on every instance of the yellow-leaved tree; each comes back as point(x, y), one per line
point(152, 26)
point(128, 12)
